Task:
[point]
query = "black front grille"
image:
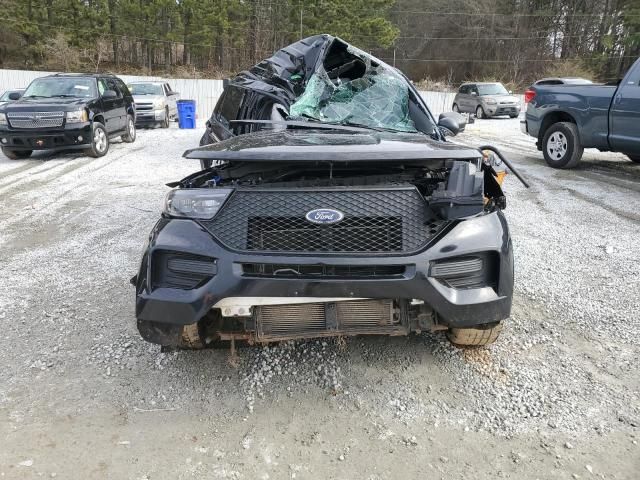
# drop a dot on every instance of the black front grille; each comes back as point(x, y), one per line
point(376, 220)
point(322, 271)
point(360, 234)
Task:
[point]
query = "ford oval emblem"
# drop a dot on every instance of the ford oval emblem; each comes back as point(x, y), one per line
point(324, 216)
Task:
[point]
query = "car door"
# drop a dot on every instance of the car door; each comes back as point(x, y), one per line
point(107, 104)
point(172, 99)
point(116, 106)
point(624, 116)
point(463, 101)
point(474, 98)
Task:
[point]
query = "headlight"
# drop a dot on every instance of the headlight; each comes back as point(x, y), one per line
point(3, 119)
point(157, 104)
point(201, 203)
point(77, 116)
point(490, 101)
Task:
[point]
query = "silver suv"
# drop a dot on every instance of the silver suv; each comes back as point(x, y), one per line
point(156, 102)
point(486, 100)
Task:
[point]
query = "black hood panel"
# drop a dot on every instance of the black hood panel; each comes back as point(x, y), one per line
point(321, 146)
point(46, 104)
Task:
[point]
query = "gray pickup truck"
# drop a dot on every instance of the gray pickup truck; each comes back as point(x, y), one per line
point(566, 119)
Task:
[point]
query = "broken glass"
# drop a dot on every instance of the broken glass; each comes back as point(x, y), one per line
point(378, 98)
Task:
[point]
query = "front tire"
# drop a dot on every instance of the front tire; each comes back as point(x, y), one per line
point(480, 112)
point(475, 336)
point(561, 145)
point(99, 141)
point(16, 154)
point(633, 158)
point(130, 136)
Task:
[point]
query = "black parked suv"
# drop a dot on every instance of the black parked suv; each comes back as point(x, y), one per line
point(68, 111)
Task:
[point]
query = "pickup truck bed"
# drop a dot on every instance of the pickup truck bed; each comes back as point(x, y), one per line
point(566, 119)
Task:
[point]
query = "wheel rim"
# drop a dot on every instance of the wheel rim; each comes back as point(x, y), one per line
point(100, 140)
point(557, 145)
point(132, 129)
point(455, 108)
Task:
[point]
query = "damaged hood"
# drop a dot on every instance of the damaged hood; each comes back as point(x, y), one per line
point(308, 145)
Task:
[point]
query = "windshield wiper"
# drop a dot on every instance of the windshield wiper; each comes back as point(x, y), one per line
point(63, 95)
point(33, 96)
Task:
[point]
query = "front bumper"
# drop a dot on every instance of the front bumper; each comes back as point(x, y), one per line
point(454, 307)
point(75, 136)
point(150, 116)
point(498, 110)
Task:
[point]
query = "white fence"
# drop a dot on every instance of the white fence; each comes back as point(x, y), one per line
point(204, 92)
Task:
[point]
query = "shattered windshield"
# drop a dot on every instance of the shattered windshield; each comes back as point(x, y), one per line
point(356, 92)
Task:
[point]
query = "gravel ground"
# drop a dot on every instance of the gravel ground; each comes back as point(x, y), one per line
point(82, 396)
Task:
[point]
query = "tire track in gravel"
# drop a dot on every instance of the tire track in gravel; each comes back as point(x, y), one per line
point(28, 172)
point(81, 162)
point(14, 171)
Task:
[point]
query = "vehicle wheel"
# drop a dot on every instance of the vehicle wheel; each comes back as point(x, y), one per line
point(130, 136)
point(561, 145)
point(478, 335)
point(99, 141)
point(455, 108)
point(165, 123)
point(480, 112)
point(633, 158)
point(16, 154)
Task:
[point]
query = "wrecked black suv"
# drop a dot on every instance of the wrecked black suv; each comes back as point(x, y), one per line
point(329, 204)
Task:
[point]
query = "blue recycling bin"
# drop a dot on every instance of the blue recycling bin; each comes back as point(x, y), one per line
point(186, 113)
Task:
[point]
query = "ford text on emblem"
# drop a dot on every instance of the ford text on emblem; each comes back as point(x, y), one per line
point(324, 216)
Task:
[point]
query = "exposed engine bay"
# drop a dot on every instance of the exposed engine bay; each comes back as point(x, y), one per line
point(454, 188)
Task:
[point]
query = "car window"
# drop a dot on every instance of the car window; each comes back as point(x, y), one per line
point(492, 89)
point(48, 87)
point(230, 103)
point(114, 86)
point(102, 86)
point(5, 96)
point(463, 89)
point(145, 89)
point(123, 88)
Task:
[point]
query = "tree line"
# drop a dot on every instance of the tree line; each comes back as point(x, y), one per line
point(449, 41)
